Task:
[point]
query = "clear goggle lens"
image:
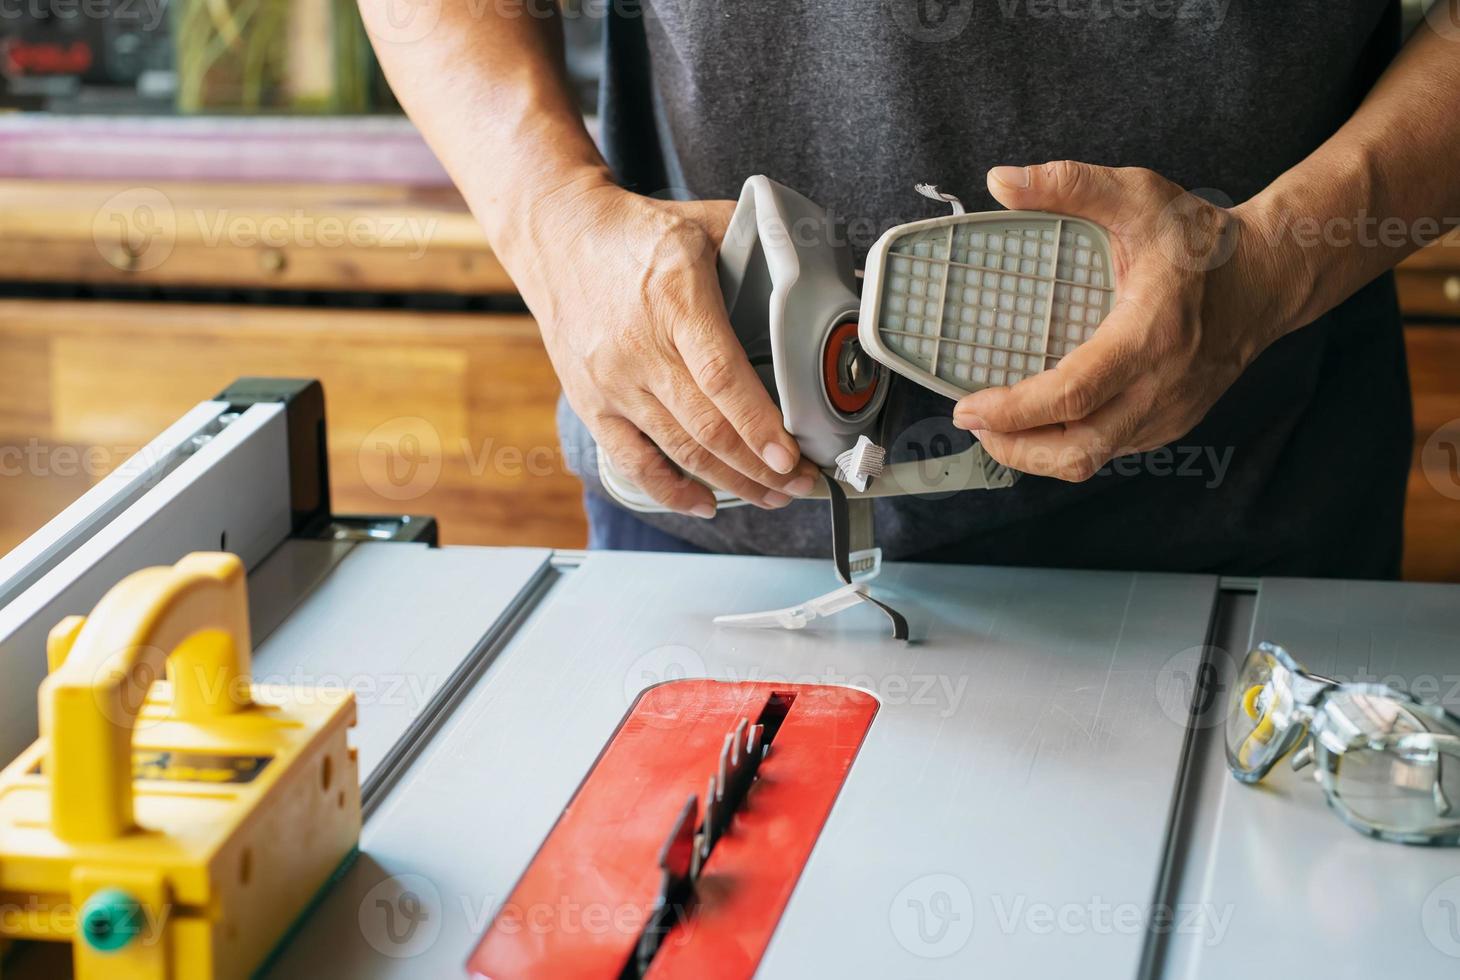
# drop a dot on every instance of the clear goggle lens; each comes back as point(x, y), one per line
point(1399, 775)
point(1261, 722)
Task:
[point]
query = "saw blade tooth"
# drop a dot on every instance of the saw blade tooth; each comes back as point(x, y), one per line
point(738, 740)
point(724, 768)
point(674, 855)
point(699, 857)
point(753, 745)
point(708, 830)
point(644, 952)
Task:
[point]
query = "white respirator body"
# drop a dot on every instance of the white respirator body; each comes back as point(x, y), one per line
point(955, 304)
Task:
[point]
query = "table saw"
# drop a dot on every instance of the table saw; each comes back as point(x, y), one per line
point(1034, 785)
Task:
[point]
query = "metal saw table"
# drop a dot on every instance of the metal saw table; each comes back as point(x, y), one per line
point(1041, 793)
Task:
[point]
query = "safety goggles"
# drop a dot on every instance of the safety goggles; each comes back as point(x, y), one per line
point(1388, 764)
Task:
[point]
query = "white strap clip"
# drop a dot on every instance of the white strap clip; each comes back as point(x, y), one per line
point(796, 617)
point(860, 464)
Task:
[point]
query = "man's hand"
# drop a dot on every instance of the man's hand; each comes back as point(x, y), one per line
point(625, 291)
point(1198, 296)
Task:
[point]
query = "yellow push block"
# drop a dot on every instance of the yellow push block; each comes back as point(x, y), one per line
point(177, 827)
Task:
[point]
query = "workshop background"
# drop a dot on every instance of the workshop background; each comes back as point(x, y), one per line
point(194, 191)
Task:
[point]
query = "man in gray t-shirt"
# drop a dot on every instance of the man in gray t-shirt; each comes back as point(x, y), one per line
point(1245, 407)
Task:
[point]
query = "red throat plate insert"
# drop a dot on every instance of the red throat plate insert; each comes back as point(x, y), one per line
point(635, 880)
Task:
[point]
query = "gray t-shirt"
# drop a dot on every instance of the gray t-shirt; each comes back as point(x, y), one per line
point(1299, 469)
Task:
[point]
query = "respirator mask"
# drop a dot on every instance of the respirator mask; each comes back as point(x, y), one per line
point(955, 304)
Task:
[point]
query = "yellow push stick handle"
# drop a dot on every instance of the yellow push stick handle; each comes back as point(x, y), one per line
point(192, 620)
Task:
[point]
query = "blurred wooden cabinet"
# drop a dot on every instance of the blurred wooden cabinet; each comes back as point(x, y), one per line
point(471, 392)
point(1429, 294)
point(1429, 283)
point(467, 395)
point(466, 400)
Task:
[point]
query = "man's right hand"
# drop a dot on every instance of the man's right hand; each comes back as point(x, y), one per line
point(623, 287)
point(626, 294)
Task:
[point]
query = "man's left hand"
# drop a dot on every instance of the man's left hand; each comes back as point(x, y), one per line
point(1199, 294)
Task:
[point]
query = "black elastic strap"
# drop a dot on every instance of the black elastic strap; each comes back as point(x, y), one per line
point(841, 536)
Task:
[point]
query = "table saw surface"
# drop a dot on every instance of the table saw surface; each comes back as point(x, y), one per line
point(1041, 792)
point(1031, 789)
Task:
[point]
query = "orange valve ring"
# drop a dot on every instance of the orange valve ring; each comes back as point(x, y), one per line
point(842, 399)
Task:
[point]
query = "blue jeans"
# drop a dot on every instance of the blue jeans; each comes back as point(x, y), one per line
point(612, 528)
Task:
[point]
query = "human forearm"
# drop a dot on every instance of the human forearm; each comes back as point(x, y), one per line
point(623, 287)
point(487, 88)
point(1202, 290)
point(1381, 187)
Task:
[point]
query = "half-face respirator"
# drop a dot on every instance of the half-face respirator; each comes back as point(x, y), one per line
point(956, 304)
